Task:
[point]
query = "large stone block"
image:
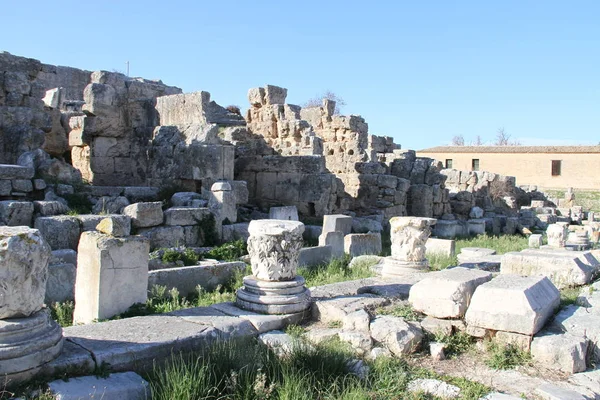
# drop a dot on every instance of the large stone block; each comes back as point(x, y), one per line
point(358, 244)
point(312, 256)
point(9, 171)
point(164, 236)
point(49, 208)
point(337, 222)
point(563, 268)
point(123, 385)
point(182, 216)
point(444, 247)
point(61, 232)
point(513, 303)
point(399, 336)
point(60, 286)
point(447, 293)
point(335, 240)
point(145, 215)
point(112, 275)
point(16, 213)
point(289, 213)
point(24, 256)
point(564, 352)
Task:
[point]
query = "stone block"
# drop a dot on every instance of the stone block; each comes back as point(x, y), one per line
point(563, 268)
point(235, 232)
point(476, 227)
point(49, 208)
point(337, 222)
point(366, 225)
point(110, 205)
point(16, 213)
point(449, 229)
point(5, 187)
point(61, 232)
point(447, 293)
point(289, 213)
point(60, 286)
point(335, 240)
point(182, 216)
point(444, 247)
point(274, 95)
point(115, 225)
point(164, 236)
point(435, 326)
point(357, 321)
point(313, 256)
point(399, 336)
point(548, 391)
point(140, 194)
point(561, 351)
point(122, 385)
point(145, 214)
point(516, 339)
point(358, 244)
point(24, 256)
point(22, 185)
point(16, 172)
point(535, 241)
point(513, 303)
point(336, 309)
point(64, 256)
point(112, 275)
point(433, 387)
point(581, 322)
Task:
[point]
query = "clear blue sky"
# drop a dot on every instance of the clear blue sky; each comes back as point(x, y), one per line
point(420, 71)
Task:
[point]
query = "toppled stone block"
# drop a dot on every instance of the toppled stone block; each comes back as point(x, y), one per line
point(182, 216)
point(360, 342)
point(335, 240)
point(337, 222)
point(476, 227)
point(535, 241)
point(436, 326)
point(513, 303)
point(117, 226)
point(563, 268)
point(144, 215)
point(61, 232)
point(447, 293)
point(240, 191)
point(358, 244)
point(123, 385)
point(184, 199)
point(357, 321)
point(580, 322)
point(60, 286)
point(445, 247)
point(289, 213)
point(563, 351)
point(312, 256)
point(399, 336)
point(336, 309)
point(24, 256)
point(16, 213)
point(112, 275)
point(140, 194)
point(434, 387)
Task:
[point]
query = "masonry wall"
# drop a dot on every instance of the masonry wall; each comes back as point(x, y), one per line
point(577, 169)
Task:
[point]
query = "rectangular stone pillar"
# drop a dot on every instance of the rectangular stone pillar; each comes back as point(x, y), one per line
point(112, 275)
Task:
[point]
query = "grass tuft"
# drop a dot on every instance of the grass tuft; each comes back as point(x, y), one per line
point(335, 271)
point(501, 356)
point(404, 311)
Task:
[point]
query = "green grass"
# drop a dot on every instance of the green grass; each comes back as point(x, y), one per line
point(505, 356)
point(187, 256)
point(335, 271)
point(404, 311)
point(63, 313)
point(438, 261)
point(588, 199)
point(231, 251)
point(248, 370)
point(456, 344)
point(502, 243)
point(569, 296)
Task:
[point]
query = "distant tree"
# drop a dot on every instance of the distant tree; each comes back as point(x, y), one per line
point(503, 138)
point(458, 140)
point(317, 101)
point(478, 141)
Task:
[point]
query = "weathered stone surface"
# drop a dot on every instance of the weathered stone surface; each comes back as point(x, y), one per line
point(366, 225)
point(144, 215)
point(513, 303)
point(164, 236)
point(548, 391)
point(360, 342)
point(337, 222)
point(280, 342)
point(24, 256)
point(9, 171)
point(222, 202)
point(580, 322)
point(184, 216)
point(273, 297)
point(476, 227)
point(358, 244)
point(589, 380)
point(64, 256)
point(49, 208)
point(434, 387)
point(436, 350)
point(273, 247)
point(357, 321)
point(16, 213)
point(312, 256)
point(337, 308)
point(557, 234)
point(112, 275)
point(436, 326)
point(563, 351)
point(124, 385)
point(117, 226)
point(289, 213)
point(61, 232)
point(518, 340)
point(262, 323)
point(184, 199)
point(447, 293)
point(399, 336)
point(89, 222)
point(564, 269)
point(22, 185)
point(335, 240)
point(535, 241)
point(60, 286)
point(110, 205)
point(409, 236)
point(444, 247)
point(235, 232)
point(207, 275)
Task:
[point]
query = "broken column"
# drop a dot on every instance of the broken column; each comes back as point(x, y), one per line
point(409, 236)
point(557, 234)
point(222, 202)
point(274, 287)
point(112, 273)
point(28, 337)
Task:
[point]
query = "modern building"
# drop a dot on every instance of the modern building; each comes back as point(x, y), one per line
point(549, 167)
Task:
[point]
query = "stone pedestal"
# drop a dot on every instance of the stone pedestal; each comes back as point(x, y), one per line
point(274, 288)
point(409, 236)
point(557, 234)
point(28, 337)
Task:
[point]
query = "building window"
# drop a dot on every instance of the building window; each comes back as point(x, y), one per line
point(448, 163)
point(475, 164)
point(556, 164)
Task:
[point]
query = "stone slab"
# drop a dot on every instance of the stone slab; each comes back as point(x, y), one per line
point(336, 309)
point(261, 322)
point(313, 256)
point(445, 247)
point(358, 244)
point(123, 385)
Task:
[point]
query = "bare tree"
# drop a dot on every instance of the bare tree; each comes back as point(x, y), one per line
point(478, 141)
point(317, 101)
point(503, 139)
point(458, 140)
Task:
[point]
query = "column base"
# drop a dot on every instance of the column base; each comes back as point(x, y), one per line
point(273, 297)
point(26, 344)
point(392, 267)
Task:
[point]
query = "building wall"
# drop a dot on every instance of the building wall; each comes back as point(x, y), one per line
point(578, 170)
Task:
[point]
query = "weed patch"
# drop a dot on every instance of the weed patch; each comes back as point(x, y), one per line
point(501, 356)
